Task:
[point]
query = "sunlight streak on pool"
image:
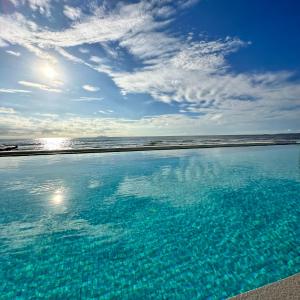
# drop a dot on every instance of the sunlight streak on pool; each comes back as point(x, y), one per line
point(188, 224)
point(58, 197)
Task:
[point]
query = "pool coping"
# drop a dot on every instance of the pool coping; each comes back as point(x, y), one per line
point(142, 148)
point(285, 289)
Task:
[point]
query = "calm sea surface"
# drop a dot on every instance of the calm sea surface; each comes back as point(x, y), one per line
point(188, 224)
point(113, 142)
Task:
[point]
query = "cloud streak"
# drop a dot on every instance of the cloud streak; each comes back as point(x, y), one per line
point(39, 86)
point(7, 110)
point(41, 6)
point(14, 91)
point(90, 88)
point(88, 99)
point(73, 13)
point(13, 53)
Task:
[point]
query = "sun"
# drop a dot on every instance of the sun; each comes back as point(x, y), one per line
point(49, 72)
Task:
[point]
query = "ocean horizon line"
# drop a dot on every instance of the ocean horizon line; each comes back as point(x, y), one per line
point(140, 149)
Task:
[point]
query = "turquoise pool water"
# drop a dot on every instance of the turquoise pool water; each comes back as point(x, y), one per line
point(192, 224)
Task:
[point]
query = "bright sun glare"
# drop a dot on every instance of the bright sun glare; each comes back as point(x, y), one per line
point(49, 71)
point(58, 197)
point(55, 143)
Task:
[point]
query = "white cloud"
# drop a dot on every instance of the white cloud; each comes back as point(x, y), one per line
point(112, 52)
point(18, 125)
point(69, 56)
point(90, 88)
point(83, 50)
point(88, 99)
point(42, 6)
point(16, 29)
point(165, 11)
point(158, 50)
point(187, 3)
point(13, 91)
point(73, 13)
point(195, 74)
point(39, 86)
point(96, 59)
point(53, 116)
point(13, 53)
point(7, 110)
point(105, 112)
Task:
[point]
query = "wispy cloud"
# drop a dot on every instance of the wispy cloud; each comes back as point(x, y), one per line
point(105, 112)
point(90, 88)
point(40, 86)
point(88, 99)
point(83, 50)
point(16, 29)
point(187, 3)
point(174, 69)
point(69, 56)
point(13, 91)
point(112, 52)
point(96, 59)
point(195, 74)
point(7, 110)
point(53, 116)
point(41, 6)
point(14, 53)
point(73, 13)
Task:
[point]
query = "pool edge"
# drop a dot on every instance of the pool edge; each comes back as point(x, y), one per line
point(284, 289)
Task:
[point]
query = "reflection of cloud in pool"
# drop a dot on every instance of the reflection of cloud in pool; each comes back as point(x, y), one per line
point(185, 183)
point(192, 178)
point(15, 235)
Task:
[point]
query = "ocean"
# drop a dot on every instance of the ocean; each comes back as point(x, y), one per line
point(119, 142)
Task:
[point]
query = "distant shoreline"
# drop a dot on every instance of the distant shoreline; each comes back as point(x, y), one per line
point(136, 149)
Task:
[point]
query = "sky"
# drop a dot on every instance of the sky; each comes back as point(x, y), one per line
point(157, 67)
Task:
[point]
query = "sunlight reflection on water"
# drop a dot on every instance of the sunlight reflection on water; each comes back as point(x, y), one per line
point(58, 197)
point(55, 143)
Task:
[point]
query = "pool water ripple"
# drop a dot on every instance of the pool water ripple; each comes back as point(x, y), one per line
point(192, 224)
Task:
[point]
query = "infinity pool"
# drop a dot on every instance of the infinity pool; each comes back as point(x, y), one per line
point(188, 224)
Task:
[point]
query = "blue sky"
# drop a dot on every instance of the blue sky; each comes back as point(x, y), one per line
point(122, 68)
